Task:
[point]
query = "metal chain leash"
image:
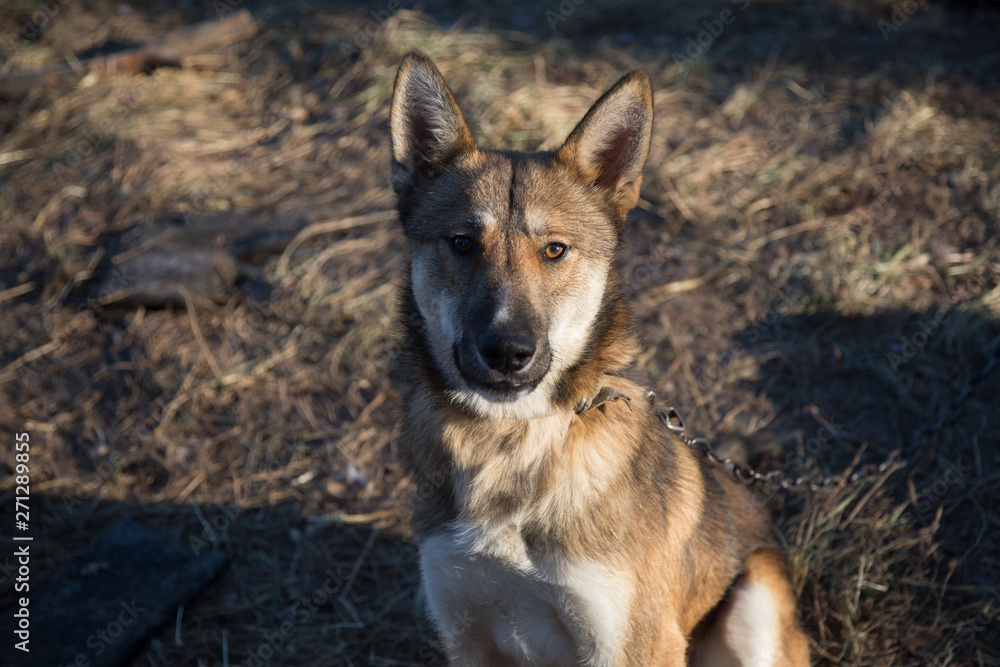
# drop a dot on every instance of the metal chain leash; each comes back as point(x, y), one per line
point(674, 423)
point(949, 414)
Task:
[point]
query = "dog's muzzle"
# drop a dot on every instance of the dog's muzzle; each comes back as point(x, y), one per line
point(506, 354)
point(503, 361)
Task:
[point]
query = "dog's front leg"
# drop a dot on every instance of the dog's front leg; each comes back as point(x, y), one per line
point(671, 650)
point(476, 647)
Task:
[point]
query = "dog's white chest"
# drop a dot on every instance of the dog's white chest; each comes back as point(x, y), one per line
point(529, 613)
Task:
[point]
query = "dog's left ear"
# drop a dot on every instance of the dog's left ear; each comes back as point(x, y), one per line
point(609, 146)
point(427, 128)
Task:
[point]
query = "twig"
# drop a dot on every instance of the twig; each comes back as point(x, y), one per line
point(329, 227)
point(177, 626)
point(871, 492)
point(37, 353)
point(680, 286)
point(790, 230)
point(193, 318)
point(357, 566)
point(16, 291)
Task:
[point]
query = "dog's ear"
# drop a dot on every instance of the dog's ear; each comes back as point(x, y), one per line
point(609, 146)
point(427, 127)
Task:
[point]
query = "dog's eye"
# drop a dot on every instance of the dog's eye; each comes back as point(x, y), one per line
point(462, 243)
point(554, 250)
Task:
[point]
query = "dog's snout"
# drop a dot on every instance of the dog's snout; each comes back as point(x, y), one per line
point(506, 353)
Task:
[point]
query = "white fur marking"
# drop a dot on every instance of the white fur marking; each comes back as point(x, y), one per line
point(523, 607)
point(752, 627)
point(606, 597)
point(437, 308)
point(536, 222)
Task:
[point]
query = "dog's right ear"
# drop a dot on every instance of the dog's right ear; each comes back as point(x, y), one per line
point(427, 127)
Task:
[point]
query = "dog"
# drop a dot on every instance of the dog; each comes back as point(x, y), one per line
point(557, 523)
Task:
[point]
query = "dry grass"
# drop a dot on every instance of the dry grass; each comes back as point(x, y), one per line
point(814, 198)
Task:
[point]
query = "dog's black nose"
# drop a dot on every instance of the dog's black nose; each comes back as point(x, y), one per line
point(507, 353)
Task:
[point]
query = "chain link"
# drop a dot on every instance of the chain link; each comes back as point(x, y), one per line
point(674, 423)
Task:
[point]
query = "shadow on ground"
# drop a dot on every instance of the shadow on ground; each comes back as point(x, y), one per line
point(850, 391)
point(333, 591)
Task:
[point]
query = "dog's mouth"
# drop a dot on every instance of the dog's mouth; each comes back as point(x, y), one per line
point(501, 392)
point(496, 385)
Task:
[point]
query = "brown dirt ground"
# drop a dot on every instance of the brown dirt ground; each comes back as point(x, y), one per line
point(816, 246)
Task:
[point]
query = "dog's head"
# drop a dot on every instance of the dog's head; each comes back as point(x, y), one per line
point(512, 293)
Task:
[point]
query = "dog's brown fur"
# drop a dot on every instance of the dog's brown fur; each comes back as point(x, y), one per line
point(550, 535)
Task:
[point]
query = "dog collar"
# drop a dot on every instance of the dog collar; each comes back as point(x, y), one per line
point(605, 395)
